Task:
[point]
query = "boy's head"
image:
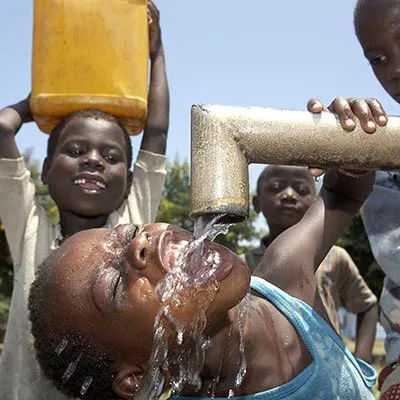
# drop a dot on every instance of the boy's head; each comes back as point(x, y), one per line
point(377, 25)
point(284, 194)
point(94, 303)
point(89, 155)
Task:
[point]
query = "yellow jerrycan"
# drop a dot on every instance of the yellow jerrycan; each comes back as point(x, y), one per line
point(90, 54)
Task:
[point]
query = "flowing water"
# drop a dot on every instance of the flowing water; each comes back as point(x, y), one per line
point(186, 362)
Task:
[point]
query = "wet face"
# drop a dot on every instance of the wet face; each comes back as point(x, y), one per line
point(102, 278)
point(284, 195)
point(378, 29)
point(88, 174)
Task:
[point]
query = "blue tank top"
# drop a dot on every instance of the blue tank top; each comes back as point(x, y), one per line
point(334, 373)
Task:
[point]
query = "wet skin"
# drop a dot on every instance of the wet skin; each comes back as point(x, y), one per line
point(110, 278)
point(284, 195)
point(102, 278)
point(378, 31)
point(88, 174)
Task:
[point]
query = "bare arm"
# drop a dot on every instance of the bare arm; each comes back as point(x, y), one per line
point(366, 331)
point(291, 260)
point(11, 120)
point(357, 297)
point(156, 129)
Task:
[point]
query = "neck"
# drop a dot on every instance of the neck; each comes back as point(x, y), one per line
point(72, 223)
point(275, 231)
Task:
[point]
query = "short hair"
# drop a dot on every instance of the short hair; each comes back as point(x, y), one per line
point(70, 360)
point(367, 6)
point(263, 174)
point(59, 129)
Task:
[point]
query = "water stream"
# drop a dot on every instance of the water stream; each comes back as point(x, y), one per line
point(188, 277)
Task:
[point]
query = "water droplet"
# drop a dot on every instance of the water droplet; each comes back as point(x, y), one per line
point(61, 347)
point(71, 369)
point(86, 385)
point(179, 338)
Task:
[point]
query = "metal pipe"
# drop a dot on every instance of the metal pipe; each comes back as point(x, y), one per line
point(225, 140)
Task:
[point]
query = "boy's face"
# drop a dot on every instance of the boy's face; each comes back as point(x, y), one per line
point(104, 284)
point(284, 195)
point(379, 35)
point(88, 174)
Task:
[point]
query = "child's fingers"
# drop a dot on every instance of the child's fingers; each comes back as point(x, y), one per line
point(378, 112)
point(341, 107)
point(315, 171)
point(315, 106)
point(363, 112)
point(154, 13)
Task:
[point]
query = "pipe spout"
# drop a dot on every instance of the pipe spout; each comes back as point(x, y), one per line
point(225, 140)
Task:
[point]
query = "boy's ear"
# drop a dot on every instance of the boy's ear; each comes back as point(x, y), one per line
point(256, 204)
point(127, 382)
point(129, 184)
point(45, 170)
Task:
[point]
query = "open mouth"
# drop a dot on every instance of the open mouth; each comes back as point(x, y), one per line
point(90, 185)
point(204, 263)
point(171, 249)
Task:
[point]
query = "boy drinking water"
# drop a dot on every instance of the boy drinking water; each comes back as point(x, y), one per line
point(284, 194)
point(87, 170)
point(114, 278)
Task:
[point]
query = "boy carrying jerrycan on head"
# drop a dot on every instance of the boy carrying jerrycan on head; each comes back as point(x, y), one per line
point(87, 170)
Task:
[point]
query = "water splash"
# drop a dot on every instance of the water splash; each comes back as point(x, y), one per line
point(242, 316)
point(189, 277)
point(153, 380)
point(86, 385)
point(210, 226)
point(71, 369)
point(61, 347)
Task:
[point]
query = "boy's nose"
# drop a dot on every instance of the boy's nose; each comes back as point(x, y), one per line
point(289, 194)
point(140, 250)
point(93, 160)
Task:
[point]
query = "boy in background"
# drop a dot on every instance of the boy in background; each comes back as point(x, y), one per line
point(284, 194)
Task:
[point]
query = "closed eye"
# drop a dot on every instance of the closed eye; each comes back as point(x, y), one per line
point(116, 283)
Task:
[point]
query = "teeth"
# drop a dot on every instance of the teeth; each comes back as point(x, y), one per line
point(101, 185)
point(78, 182)
point(214, 258)
point(82, 181)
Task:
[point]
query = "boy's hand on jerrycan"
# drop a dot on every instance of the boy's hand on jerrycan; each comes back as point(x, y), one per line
point(153, 16)
point(26, 110)
point(369, 112)
point(21, 114)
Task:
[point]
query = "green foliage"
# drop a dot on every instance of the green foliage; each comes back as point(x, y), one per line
point(175, 204)
point(355, 241)
point(174, 207)
point(4, 308)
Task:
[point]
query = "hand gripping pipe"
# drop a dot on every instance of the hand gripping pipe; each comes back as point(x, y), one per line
point(225, 140)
